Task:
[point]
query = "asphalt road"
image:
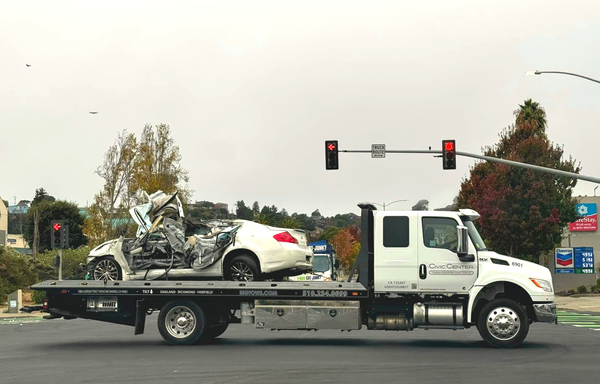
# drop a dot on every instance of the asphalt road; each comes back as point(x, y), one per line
point(84, 351)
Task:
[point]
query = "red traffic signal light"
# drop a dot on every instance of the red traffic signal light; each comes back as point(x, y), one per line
point(448, 154)
point(331, 155)
point(57, 226)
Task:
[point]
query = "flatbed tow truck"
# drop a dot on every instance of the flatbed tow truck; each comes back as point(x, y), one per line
point(416, 269)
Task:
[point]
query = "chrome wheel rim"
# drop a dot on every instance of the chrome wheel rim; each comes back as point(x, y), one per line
point(181, 322)
point(241, 272)
point(106, 270)
point(503, 323)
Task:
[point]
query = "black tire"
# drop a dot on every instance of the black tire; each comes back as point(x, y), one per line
point(183, 322)
point(106, 269)
point(242, 268)
point(503, 323)
point(218, 330)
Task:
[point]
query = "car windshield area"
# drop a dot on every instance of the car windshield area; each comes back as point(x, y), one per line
point(321, 263)
point(474, 234)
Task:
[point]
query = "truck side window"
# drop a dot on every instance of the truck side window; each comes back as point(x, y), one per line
point(395, 231)
point(440, 232)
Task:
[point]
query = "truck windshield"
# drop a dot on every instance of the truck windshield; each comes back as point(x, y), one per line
point(474, 234)
point(321, 263)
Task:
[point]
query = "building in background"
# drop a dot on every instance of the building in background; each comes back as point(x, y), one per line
point(3, 223)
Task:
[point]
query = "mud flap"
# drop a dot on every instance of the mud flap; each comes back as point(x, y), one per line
point(140, 317)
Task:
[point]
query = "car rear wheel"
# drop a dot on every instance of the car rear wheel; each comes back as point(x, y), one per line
point(106, 269)
point(242, 268)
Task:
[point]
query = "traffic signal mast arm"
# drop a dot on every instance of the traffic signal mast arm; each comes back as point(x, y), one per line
point(496, 160)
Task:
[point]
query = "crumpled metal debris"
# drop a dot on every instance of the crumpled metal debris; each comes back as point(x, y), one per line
point(163, 213)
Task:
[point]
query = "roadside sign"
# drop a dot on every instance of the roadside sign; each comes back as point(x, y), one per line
point(566, 270)
point(378, 151)
point(584, 260)
point(588, 218)
point(564, 258)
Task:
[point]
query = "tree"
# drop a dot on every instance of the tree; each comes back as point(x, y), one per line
point(117, 172)
point(47, 212)
point(422, 205)
point(243, 212)
point(256, 207)
point(261, 218)
point(531, 112)
point(316, 213)
point(5, 202)
point(289, 222)
point(329, 234)
point(523, 212)
point(157, 164)
point(41, 195)
point(346, 248)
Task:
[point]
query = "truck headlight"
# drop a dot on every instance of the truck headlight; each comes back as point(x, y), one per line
point(543, 284)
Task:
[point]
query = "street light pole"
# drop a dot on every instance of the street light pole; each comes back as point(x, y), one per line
point(562, 73)
point(388, 204)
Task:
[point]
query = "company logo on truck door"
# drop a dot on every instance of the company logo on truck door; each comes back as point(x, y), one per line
point(451, 269)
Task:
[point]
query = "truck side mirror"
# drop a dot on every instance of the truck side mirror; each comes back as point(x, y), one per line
point(463, 241)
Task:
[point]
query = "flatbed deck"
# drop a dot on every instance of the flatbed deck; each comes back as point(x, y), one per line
point(243, 290)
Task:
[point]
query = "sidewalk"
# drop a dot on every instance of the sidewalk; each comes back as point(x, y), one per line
point(21, 315)
point(582, 303)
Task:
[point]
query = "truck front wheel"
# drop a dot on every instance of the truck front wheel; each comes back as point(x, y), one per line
point(183, 322)
point(503, 323)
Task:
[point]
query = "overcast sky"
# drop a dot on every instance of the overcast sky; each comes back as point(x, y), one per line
point(251, 89)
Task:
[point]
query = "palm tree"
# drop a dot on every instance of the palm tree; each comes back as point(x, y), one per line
point(290, 222)
point(261, 218)
point(531, 112)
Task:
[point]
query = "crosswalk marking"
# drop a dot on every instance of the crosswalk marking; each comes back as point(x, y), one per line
point(579, 320)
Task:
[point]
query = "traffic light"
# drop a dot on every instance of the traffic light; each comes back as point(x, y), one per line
point(448, 154)
point(331, 155)
point(57, 235)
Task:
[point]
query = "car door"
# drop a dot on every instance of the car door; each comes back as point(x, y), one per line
point(395, 250)
point(440, 269)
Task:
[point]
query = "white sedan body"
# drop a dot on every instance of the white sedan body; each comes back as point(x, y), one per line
point(256, 240)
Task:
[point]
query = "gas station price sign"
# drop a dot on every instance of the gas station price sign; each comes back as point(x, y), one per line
point(584, 260)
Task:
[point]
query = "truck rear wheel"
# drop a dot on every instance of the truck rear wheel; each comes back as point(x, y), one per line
point(183, 322)
point(503, 323)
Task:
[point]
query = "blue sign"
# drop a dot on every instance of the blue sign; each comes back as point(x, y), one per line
point(565, 271)
point(320, 247)
point(584, 260)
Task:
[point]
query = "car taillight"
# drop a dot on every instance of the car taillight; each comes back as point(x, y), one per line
point(285, 237)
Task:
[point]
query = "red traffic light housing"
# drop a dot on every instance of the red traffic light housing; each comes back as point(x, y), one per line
point(448, 154)
point(58, 235)
point(331, 155)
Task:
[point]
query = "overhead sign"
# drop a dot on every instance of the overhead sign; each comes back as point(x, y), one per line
point(378, 151)
point(584, 260)
point(588, 218)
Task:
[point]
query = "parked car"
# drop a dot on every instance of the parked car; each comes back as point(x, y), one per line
point(167, 246)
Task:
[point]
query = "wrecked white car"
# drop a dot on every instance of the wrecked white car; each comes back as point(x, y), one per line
point(169, 246)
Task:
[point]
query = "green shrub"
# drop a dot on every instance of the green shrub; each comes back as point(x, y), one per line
point(582, 289)
point(38, 296)
point(15, 272)
point(598, 283)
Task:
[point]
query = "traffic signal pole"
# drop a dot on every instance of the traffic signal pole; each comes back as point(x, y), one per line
point(553, 171)
point(60, 264)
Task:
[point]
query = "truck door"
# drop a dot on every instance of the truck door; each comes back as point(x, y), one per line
point(395, 247)
point(440, 269)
